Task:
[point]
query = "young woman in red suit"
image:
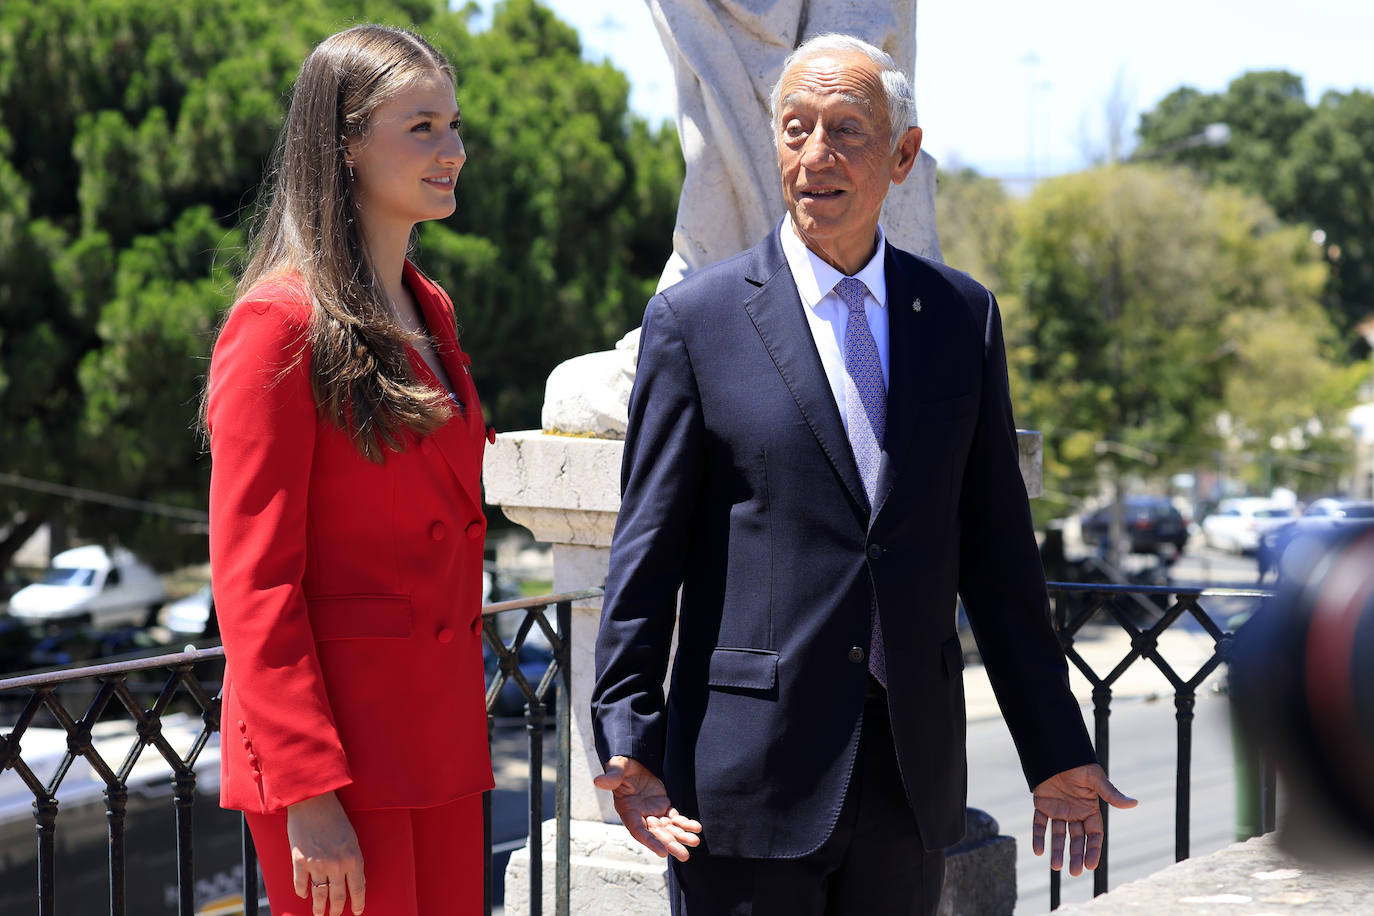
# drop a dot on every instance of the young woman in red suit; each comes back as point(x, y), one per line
point(346, 526)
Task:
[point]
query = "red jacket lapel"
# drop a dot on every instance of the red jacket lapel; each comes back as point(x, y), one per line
point(462, 439)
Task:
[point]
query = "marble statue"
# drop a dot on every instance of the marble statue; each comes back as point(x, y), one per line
point(726, 55)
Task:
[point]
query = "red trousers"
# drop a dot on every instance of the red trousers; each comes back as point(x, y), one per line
point(416, 861)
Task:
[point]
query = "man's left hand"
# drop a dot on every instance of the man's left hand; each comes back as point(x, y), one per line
point(1067, 803)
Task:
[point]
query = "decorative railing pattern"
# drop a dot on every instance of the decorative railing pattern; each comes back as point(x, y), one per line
point(185, 687)
point(191, 687)
point(1145, 612)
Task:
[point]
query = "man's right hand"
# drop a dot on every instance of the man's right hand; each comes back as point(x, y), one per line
point(643, 806)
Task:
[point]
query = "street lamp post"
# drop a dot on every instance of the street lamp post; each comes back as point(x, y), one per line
point(1213, 135)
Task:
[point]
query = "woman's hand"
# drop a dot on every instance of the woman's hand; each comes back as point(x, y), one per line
point(326, 862)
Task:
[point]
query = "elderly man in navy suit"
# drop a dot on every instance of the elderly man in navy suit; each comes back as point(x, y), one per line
point(821, 455)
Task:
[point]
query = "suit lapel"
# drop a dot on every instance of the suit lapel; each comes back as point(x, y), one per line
point(776, 310)
point(460, 440)
point(903, 369)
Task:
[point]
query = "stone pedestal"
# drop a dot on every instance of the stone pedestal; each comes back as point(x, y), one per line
point(566, 491)
point(611, 874)
point(980, 871)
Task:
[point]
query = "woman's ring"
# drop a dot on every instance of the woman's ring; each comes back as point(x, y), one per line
point(324, 883)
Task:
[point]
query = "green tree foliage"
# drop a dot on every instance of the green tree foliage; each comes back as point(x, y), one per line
point(133, 138)
point(1140, 307)
point(977, 225)
point(1310, 163)
point(979, 235)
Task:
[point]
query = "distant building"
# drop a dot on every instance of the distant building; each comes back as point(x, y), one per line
point(35, 552)
point(1361, 483)
point(1361, 420)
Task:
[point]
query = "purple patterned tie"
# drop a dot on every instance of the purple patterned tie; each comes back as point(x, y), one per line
point(865, 400)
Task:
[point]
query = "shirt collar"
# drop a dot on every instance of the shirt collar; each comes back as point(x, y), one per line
point(816, 279)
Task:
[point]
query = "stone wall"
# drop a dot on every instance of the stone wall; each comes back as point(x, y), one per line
point(1254, 878)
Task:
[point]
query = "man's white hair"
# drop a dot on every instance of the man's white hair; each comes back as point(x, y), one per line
point(901, 101)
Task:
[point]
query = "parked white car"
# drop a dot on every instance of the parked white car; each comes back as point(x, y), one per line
point(1238, 524)
point(108, 588)
point(188, 616)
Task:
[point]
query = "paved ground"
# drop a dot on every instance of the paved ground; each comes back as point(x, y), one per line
point(1102, 648)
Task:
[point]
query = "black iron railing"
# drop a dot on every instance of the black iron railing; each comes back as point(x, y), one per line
point(184, 694)
point(554, 681)
point(1145, 612)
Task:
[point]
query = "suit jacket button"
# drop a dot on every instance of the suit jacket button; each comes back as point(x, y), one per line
point(445, 635)
point(257, 776)
point(474, 530)
point(491, 434)
point(247, 745)
point(243, 726)
point(856, 654)
point(436, 531)
point(874, 551)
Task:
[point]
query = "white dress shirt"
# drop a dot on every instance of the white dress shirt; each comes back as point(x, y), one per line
point(827, 315)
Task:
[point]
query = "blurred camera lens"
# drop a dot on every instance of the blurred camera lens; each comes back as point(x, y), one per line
point(1302, 681)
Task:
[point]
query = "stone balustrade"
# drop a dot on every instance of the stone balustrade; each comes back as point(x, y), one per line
point(1254, 878)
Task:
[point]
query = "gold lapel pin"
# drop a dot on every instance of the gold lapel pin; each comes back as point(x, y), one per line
point(916, 305)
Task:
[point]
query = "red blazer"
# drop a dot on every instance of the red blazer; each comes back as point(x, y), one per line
point(349, 593)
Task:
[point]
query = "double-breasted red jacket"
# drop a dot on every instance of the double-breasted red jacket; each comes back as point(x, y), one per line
point(348, 592)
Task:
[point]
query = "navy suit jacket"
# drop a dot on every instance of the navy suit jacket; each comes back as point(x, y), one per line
point(740, 487)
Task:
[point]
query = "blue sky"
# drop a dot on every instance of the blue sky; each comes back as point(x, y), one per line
point(984, 103)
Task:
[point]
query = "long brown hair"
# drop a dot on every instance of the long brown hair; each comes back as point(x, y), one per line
point(359, 372)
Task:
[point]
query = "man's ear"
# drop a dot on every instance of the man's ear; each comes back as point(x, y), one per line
point(904, 159)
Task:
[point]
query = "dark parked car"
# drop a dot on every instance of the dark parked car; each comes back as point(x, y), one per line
point(1153, 525)
point(534, 660)
point(25, 646)
point(17, 639)
point(85, 644)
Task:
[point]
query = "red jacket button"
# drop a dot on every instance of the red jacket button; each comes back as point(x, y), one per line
point(247, 745)
point(436, 531)
point(474, 530)
point(445, 635)
point(243, 726)
point(491, 434)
